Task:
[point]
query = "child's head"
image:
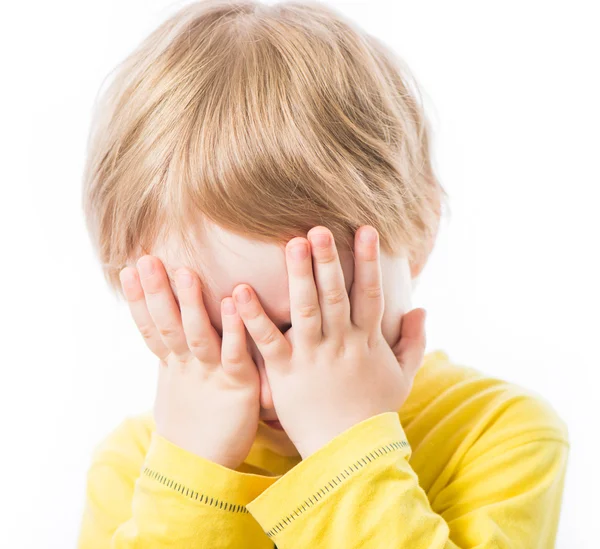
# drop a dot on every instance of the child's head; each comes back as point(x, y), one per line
point(257, 122)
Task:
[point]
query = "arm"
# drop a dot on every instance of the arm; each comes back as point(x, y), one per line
point(176, 499)
point(337, 386)
point(185, 492)
point(360, 490)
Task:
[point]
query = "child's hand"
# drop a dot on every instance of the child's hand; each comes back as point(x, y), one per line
point(338, 369)
point(207, 399)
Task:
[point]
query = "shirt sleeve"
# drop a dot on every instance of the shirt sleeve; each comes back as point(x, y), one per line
point(177, 499)
point(360, 490)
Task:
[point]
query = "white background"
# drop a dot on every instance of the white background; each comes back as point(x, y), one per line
point(511, 287)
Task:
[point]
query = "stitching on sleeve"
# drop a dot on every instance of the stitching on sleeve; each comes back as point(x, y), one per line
point(335, 482)
point(193, 494)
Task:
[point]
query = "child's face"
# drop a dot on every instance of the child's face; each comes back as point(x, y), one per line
point(231, 260)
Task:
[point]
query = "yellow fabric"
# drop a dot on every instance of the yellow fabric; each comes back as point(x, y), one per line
point(468, 461)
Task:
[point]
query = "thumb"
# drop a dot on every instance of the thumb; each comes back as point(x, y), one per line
point(410, 348)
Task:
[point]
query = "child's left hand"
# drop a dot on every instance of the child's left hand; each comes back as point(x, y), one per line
point(338, 369)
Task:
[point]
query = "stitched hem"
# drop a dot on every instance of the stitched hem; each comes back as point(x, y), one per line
point(193, 494)
point(334, 483)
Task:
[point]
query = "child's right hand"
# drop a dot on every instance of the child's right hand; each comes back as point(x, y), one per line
point(207, 399)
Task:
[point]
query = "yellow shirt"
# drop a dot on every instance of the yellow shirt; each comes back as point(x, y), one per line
point(468, 461)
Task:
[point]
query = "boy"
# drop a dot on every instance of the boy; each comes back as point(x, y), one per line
point(280, 150)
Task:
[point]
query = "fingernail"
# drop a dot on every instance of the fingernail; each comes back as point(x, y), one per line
point(126, 276)
point(243, 296)
point(184, 280)
point(299, 251)
point(320, 239)
point(228, 306)
point(368, 235)
point(146, 267)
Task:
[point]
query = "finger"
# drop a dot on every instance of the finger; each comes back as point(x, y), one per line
point(329, 277)
point(304, 299)
point(410, 349)
point(202, 339)
point(136, 300)
point(161, 305)
point(270, 341)
point(366, 294)
point(234, 352)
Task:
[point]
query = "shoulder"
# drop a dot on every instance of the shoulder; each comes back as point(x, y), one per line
point(115, 466)
point(464, 394)
point(127, 443)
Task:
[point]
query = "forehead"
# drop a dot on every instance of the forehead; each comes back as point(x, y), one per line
point(230, 259)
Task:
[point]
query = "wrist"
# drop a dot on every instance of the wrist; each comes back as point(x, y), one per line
point(209, 454)
point(174, 466)
point(320, 437)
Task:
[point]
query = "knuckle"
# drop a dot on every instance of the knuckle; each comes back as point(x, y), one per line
point(147, 332)
point(333, 297)
point(271, 335)
point(373, 291)
point(183, 366)
point(234, 357)
point(308, 311)
point(167, 331)
point(199, 345)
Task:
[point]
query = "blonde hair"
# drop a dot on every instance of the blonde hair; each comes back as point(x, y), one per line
point(266, 120)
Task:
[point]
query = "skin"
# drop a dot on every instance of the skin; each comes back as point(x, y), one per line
point(268, 272)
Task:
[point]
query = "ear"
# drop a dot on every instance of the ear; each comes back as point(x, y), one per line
point(411, 343)
point(416, 267)
point(418, 263)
